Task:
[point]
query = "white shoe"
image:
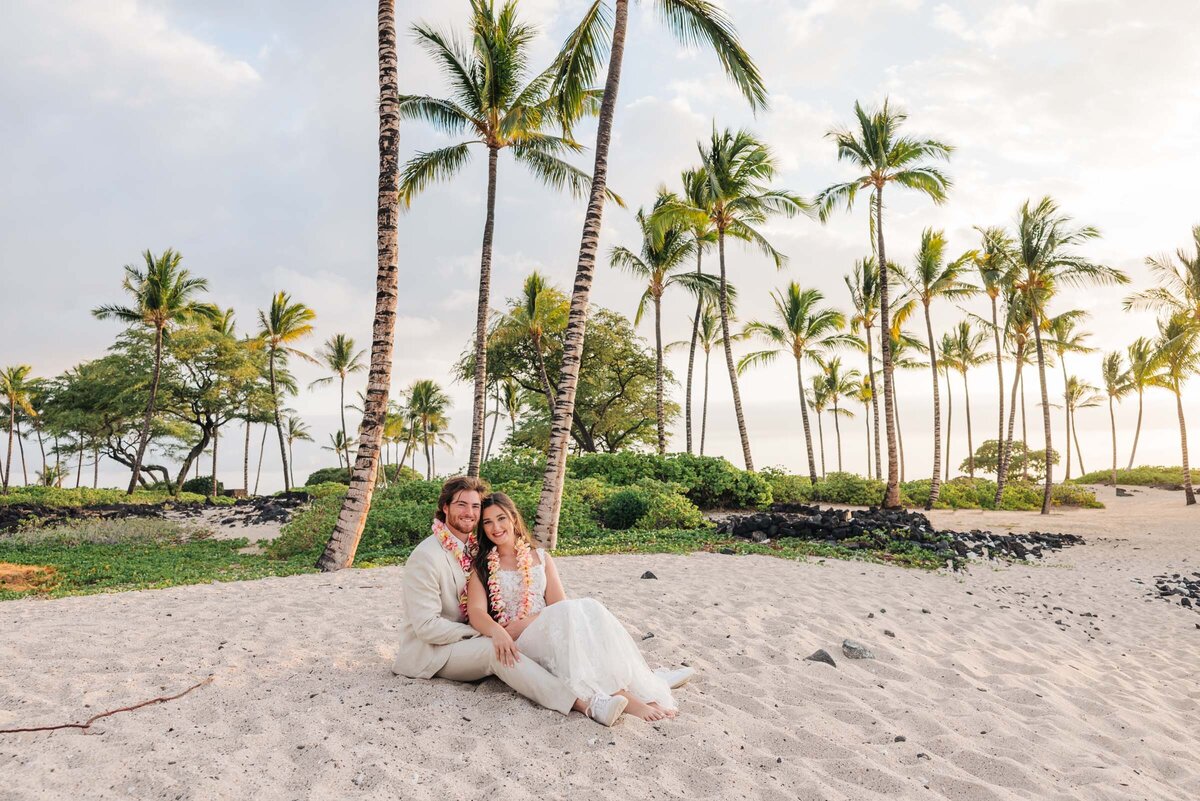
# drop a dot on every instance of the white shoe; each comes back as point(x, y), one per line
point(606, 709)
point(675, 678)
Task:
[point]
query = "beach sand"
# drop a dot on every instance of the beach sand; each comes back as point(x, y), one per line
point(1062, 680)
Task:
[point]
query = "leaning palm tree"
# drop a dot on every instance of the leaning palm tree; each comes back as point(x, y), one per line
point(1178, 290)
point(1179, 359)
point(1143, 365)
point(905, 349)
point(839, 383)
point(498, 103)
point(933, 278)
point(948, 362)
point(876, 147)
point(663, 252)
point(337, 355)
point(164, 295)
point(15, 389)
point(281, 325)
point(539, 309)
point(1116, 386)
point(343, 542)
point(578, 65)
point(1044, 261)
point(804, 331)
point(1017, 335)
point(968, 352)
point(863, 284)
point(1079, 395)
point(1065, 339)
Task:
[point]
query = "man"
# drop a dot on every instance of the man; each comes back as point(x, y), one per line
point(435, 639)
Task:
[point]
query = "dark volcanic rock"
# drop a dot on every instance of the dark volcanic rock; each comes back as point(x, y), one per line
point(649, 575)
point(821, 655)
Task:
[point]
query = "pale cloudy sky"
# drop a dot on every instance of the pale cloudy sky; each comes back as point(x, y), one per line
point(244, 135)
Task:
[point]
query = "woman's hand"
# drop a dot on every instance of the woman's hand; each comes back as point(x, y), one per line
point(506, 649)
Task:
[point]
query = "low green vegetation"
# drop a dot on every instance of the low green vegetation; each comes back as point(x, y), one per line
point(61, 497)
point(1147, 476)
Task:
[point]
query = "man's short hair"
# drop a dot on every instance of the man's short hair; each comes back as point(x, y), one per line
point(455, 485)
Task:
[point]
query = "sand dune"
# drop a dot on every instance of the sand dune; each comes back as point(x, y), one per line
point(1056, 681)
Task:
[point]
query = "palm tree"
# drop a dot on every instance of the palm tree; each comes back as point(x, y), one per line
point(803, 331)
point(1080, 395)
point(511, 402)
point(297, 430)
point(863, 284)
point(818, 397)
point(933, 278)
point(992, 263)
point(284, 323)
point(1178, 290)
point(497, 103)
point(663, 251)
point(577, 66)
point(163, 295)
point(1179, 359)
point(337, 444)
point(1044, 261)
point(1064, 340)
point(864, 395)
point(539, 309)
point(1143, 364)
point(840, 384)
point(704, 235)
point(947, 363)
point(968, 352)
point(427, 403)
point(1116, 386)
point(876, 147)
point(338, 356)
point(903, 345)
point(1017, 333)
point(15, 388)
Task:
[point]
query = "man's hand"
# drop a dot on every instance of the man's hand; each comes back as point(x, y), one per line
point(506, 649)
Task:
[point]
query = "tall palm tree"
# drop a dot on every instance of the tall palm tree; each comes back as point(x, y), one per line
point(804, 331)
point(284, 323)
point(839, 383)
point(538, 310)
point(1116, 386)
point(992, 264)
point(578, 65)
point(1080, 395)
point(933, 278)
point(704, 235)
point(1043, 261)
point(337, 444)
point(863, 284)
point(818, 397)
point(664, 250)
point(1178, 290)
point(427, 403)
point(497, 102)
point(904, 348)
point(339, 357)
point(512, 401)
point(1179, 359)
point(968, 353)
point(297, 429)
point(1065, 339)
point(947, 363)
point(343, 542)
point(1017, 334)
point(876, 147)
point(865, 395)
point(1143, 365)
point(15, 388)
point(163, 294)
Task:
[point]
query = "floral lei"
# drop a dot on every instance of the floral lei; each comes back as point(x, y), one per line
point(463, 554)
point(525, 567)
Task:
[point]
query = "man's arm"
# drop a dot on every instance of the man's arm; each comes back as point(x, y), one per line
point(423, 605)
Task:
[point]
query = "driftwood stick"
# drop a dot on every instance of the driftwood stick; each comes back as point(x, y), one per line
point(94, 718)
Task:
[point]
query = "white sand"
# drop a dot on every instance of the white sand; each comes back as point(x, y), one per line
point(995, 698)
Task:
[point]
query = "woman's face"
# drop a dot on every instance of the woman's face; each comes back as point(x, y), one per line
point(498, 525)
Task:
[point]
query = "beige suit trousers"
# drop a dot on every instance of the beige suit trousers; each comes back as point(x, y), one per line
point(475, 659)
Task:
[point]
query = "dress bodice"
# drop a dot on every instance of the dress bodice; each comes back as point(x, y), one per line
point(511, 587)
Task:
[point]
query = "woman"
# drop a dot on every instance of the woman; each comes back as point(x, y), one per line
point(514, 596)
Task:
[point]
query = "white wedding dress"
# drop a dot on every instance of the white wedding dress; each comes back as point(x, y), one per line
point(581, 642)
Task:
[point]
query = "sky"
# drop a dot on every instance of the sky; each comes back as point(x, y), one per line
point(244, 135)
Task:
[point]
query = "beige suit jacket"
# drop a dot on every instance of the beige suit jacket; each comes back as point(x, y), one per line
point(432, 621)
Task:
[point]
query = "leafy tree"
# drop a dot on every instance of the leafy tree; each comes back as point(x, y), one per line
point(539, 311)
point(1023, 464)
point(1065, 339)
point(992, 264)
point(1080, 395)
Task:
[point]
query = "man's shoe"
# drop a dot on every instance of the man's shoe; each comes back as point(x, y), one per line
point(606, 709)
point(675, 678)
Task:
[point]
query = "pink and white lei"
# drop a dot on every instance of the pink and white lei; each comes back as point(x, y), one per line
point(460, 551)
point(525, 567)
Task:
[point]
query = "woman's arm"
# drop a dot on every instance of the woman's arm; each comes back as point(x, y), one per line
point(554, 587)
point(481, 621)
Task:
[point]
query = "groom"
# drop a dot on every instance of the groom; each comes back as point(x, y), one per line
point(435, 639)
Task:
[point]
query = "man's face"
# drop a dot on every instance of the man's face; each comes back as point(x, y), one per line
point(462, 513)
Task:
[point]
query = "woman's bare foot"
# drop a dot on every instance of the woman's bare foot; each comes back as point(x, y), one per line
point(670, 713)
point(640, 709)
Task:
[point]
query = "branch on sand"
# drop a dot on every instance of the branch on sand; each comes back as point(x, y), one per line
point(94, 718)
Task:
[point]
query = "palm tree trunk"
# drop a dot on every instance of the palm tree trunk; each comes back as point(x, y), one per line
point(821, 440)
point(704, 408)
point(345, 439)
point(1024, 433)
point(891, 499)
point(144, 437)
point(1187, 472)
point(1067, 414)
point(970, 439)
point(867, 423)
point(96, 468)
point(21, 451)
point(291, 455)
point(246, 456)
point(481, 319)
point(1078, 450)
point(658, 376)
point(79, 469)
point(1048, 487)
point(1112, 420)
point(1006, 443)
point(262, 446)
point(428, 457)
point(874, 410)
point(949, 421)
point(12, 427)
point(1137, 432)
point(562, 410)
point(837, 430)
point(343, 542)
point(1000, 394)
point(726, 341)
point(487, 452)
point(287, 479)
point(42, 447)
point(692, 352)
point(812, 463)
point(899, 441)
point(935, 482)
point(542, 374)
point(212, 484)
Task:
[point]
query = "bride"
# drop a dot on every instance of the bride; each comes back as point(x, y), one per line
point(514, 596)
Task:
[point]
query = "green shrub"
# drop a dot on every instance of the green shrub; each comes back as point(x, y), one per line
point(787, 488)
point(711, 482)
point(1074, 495)
point(958, 493)
point(668, 508)
point(307, 531)
point(201, 485)
point(62, 497)
point(524, 465)
point(324, 489)
point(851, 489)
point(625, 507)
point(395, 473)
point(1141, 476)
point(577, 514)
